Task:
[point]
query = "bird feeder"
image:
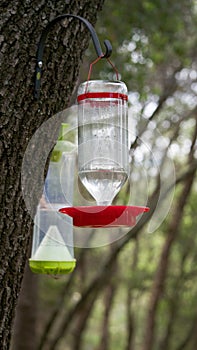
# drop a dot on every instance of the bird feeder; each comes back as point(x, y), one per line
point(52, 248)
point(103, 154)
point(103, 150)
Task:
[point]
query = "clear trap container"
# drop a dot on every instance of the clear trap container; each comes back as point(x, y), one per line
point(52, 246)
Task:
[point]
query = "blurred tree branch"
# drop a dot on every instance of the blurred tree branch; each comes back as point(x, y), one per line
point(161, 273)
point(130, 315)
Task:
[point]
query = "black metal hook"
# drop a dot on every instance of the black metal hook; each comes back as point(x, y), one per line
point(43, 37)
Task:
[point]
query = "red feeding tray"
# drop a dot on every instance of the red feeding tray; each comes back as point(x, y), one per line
point(100, 216)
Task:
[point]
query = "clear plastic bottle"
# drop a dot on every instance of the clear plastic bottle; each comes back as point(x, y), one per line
point(52, 247)
point(103, 138)
point(58, 188)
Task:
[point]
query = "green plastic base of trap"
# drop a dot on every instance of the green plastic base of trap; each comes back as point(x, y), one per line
point(52, 267)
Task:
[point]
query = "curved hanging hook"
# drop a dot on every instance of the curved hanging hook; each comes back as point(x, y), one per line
point(43, 37)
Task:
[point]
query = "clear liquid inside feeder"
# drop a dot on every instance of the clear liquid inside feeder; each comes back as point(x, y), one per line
point(103, 138)
point(103, 155)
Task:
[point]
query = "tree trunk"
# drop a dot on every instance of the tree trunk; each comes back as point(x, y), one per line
point(21, 25)
point(160, 277)
point(173, 306)
point(81, 323)
point(129, 311)
point(25, 332)
point(161, 273)
point(109, 295)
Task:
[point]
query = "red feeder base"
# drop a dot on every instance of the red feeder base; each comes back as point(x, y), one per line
point(100, 216)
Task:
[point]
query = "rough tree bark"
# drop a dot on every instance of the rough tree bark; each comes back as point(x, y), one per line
point(25, 324)
point(21, 26)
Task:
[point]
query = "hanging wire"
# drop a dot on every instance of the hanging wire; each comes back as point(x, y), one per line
point(94, 62)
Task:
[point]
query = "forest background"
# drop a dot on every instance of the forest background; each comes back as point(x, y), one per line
point(138, 293)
